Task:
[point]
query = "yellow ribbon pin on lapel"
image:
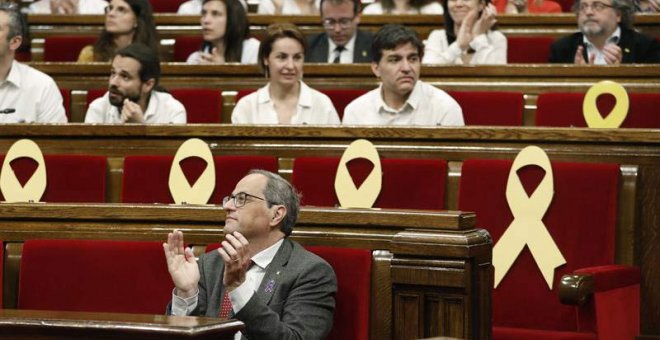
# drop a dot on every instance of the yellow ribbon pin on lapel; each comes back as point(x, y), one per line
point(200, 192)
point(619, 112)
point(348, 194)
point(36, 186)
point(527, 227)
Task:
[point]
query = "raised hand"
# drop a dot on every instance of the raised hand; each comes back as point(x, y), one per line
point(212, 58)
point(613, 54)
point(181, 264)
point(464, 36)
point(235, 252)
point(131, 112)
point(486, 21)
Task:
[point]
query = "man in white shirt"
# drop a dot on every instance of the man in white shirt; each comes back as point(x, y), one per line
point(26, 94)
point(131, 96)
point(401, 98)
point(67, 7)
point(273, 285)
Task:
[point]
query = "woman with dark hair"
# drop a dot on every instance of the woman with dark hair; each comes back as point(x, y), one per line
point(469, 36)
point(126, 22)
point(225, 31)
point(404, 7)
point(286, 99)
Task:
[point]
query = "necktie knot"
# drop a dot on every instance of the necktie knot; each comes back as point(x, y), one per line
point(338, 51)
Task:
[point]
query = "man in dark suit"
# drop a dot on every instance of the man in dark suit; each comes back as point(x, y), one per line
point(606, 37)
point(260, 277)
point(342, 41)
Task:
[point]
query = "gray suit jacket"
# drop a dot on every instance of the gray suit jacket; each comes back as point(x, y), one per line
point(317, 48)
point(296, 299)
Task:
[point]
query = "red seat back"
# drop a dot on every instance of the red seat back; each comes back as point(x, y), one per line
point(491, 108)
point(69, 178)
point(342, 97)
point(94, 276)
point(65, 48)
point(407, 183)
point(165, 6)
point(581, 220)
point(528, 49)
point(565, 110)
point(66, 102)
point(184, 46)
point(203, 106)
point(146, 178)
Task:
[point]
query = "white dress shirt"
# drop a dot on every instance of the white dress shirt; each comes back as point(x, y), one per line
point(431, 8)
point(288, 7)
point(313, 107)
point(249, 55)
point(346, 56)
point(32, 94)
point(162, 109)
point(84, 7)
point(600, 56)
point(489, 48)
point(426, 105)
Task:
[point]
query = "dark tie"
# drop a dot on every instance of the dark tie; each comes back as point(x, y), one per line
point(225, 305)
point(338, 51)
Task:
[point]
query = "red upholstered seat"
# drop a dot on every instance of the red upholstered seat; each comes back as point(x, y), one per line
point(342, 97)
point(352, 302)
point(165, 6)
point(69, 178)
point(581, 219)
point(528, 49)
point(491, 108)
point(146, 177)
point(65, 48)
point(407, 183)
point(202, 105)
point(94, 276)
point(93, 94)
point(565, 110)
point(66, 102)
point(184, 46)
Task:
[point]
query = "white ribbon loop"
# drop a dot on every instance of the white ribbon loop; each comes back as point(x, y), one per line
point(347, 192)
point(619, 112)
point(200, 192)
point(36, 186)
point(527, 227)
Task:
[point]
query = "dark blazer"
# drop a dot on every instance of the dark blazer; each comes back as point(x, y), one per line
point(295, 300)
point(636, 48)
point(317, 48)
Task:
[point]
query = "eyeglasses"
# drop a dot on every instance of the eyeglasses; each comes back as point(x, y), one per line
point(120, 9)
point(240, 199)
point(343, 22)
point(595, 6)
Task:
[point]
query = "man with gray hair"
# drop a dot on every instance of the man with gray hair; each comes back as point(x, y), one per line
point(606, 37)
point(273, 285)
point(26, 94)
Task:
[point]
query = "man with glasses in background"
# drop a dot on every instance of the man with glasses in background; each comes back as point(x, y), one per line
point(606, 37)
point(342, 42)
point(259, 276)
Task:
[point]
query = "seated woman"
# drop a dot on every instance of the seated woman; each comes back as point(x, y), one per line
point(469, 37)
point(126, 22)
point(289, 7)
point(67, 7)
point(527, 6)
point(285, 99)
point(403, 7)
point(194, 7)
point(225, 30)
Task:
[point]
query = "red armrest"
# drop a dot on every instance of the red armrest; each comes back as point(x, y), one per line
point(612, 276)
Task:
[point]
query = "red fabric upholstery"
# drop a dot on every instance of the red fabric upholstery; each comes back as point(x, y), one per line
point(146, 177)
point(565, 109)
point(612, 276)
point(353, 300)
point(581, 219)
point(165, 6)
point(407, 183)
point(65, 48)
point(94, 276)
point(341, 98)
point(506, 333)
point(202, 105)
point(93, 94)
point(69, 178)
point(66, 102)
point(2, 270)
point(23, 56)
point(184, 46)
point(528, 49)
point(491, 108)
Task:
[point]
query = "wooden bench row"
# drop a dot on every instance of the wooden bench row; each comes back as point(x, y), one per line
point(421, 260)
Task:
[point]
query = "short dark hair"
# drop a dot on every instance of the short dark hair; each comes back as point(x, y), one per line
point(625, 7)
point(16, 22)
point(148, 59)
point(275, 32)
point(390, 36)
point(279, 191)
point(356, 5)
point(237, 30)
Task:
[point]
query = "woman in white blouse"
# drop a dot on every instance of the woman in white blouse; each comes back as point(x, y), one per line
point(286, 99)
point(404, 7)
point(225, 30)
point(289, 7)
point(468, 37)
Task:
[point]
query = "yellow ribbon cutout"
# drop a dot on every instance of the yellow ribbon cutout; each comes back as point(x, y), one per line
point(348, 194)
point(619, 112)
point(36, 186)
point(200, 192)
point(527, 227)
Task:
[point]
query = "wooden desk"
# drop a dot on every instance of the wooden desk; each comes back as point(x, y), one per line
point(31, 324)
